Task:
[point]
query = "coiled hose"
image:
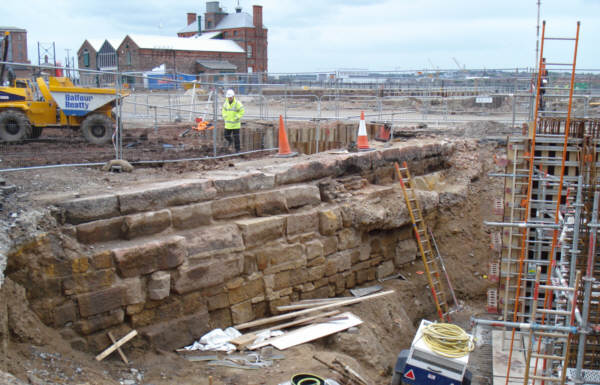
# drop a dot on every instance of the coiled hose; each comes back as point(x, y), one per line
point(448, 340)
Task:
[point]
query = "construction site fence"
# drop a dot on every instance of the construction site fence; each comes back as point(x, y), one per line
point(162, 125)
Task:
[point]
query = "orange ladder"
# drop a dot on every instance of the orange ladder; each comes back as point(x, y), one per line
point(427, 255)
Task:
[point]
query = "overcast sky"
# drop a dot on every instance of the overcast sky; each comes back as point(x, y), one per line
point(322, 35)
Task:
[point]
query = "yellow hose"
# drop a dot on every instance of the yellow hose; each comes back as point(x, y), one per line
point(448, 340)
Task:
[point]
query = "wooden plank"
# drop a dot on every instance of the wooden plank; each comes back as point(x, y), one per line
point(315, 331)
point(116, 345)
point(123, 356)
point(298, 306)
point(295, 314)
point(248, 338)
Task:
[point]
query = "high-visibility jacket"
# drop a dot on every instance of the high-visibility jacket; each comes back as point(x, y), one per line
point(232, 114)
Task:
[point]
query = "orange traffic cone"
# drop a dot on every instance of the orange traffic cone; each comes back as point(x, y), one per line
point(284, 146)
point(362, 141)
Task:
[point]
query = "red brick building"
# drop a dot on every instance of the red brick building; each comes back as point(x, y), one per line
point(140, 53)
point(17, 48)
point(245, 29)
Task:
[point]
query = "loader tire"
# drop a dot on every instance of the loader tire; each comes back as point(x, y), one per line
point(97, 128)
point(36, 132)
point(14, 126)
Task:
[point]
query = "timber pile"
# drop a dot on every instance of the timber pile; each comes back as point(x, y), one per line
point(321, 317)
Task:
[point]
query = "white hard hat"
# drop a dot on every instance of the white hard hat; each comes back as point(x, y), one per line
point(229, 94)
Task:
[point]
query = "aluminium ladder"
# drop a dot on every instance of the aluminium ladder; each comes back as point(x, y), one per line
point(427, 255)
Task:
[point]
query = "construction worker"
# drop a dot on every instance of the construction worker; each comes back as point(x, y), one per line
point(232, 112)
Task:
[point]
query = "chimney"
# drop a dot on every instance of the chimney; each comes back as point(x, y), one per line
point(191, 17)
point(257, 16)
point(199, 25)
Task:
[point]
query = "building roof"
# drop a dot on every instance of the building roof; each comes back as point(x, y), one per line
point(186, 44)
point(236, 20)
point(13, 29)
point(216, 64)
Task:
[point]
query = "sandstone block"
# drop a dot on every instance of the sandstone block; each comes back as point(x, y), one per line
point(348, 238)
point(230, 183)
point(287, 253)
point(316, 273)
point(90, 208)
point(100, 301)
point(385, 269)
point(281, 280)
point(139, 225)
point(220, 318)
point(302, 223)
point(159, 285)
point(299, 196)
point(166, 194)
point(259, 230)
point(232, 207)
point(306, 171)
point(103, 230)
point(242, 312)
point(90, 281)
point(362, 276)
point(314, 249)
point(177, 333)
point(330, 221)
point(134, 309)
point(405, 252)
point(65, 313)
point(207, 273)
point(99, 322)
point(321, 292)
point(273, 304)
point(102, 260)
point(161, 254)
point(248, 290)
point(219, 301)
point(351, 280)
point(215, 239)
point(191, 216)
point(330, 245)
point(298, 276)
point(193, 302)
point(269, 203)
point(316, 262)
point(80, 265)
point(134, 290)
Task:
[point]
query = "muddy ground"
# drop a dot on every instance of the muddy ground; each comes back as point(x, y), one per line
point(37, 354)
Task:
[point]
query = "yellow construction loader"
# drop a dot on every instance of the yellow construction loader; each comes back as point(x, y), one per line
point(28, 106)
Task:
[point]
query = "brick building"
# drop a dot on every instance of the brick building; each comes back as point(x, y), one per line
point(140, 53)
point(17, 48)
point(245, 29)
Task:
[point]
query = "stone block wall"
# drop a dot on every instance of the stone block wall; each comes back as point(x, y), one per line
point(176, 259)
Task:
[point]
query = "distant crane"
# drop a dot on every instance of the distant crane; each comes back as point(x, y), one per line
point(462, 68)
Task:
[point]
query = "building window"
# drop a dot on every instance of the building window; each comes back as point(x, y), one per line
point(249, 50)
point(209, 24)
point(234, 33)
point(128, 57)
point(224, 34)
point(86, 58)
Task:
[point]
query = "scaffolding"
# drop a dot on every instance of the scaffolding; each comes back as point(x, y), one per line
point(549, 241)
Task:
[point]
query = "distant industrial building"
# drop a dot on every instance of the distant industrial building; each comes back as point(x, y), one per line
point(245, 29)
point(17, 48)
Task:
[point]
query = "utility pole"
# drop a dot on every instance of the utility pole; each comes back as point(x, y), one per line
point(67, 64)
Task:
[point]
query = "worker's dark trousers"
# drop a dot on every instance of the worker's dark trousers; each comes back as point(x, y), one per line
point(236, 138)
